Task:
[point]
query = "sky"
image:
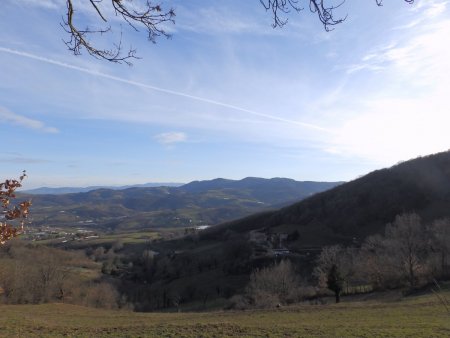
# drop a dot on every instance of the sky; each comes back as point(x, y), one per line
point(227, 96)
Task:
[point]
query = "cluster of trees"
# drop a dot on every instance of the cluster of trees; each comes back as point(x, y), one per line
point(110, 258)
point(32, 274)
point(359, 208)
point(409, 254)
point(276, 284)
point(164, 279)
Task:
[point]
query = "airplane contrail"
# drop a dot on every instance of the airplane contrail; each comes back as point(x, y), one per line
point(162, 90)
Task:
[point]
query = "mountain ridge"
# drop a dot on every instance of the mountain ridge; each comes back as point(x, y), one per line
point(362, 207)
point(72, 190)
point(197, 203)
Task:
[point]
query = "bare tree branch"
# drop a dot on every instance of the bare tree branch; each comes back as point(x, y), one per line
point(283, 6)
point(93, 2)
point(323, 8)
point(380, 2)
point(326, 13)
point(150, 17)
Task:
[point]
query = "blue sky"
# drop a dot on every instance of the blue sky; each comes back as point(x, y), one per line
point(227, 96)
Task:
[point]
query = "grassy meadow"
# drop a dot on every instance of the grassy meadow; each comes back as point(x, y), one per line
point(419, 316)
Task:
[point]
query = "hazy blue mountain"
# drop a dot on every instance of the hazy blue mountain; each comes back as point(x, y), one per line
point(71, 190)
point(196, 203)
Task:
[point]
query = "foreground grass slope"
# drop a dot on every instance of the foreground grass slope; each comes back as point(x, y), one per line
point(421, 316)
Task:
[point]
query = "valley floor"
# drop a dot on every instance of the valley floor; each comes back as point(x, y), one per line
point(421, 316)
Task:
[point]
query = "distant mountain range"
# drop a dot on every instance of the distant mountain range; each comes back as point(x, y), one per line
point(351, 211)
point(222, 257)
point(193, 204)
point(73, 190)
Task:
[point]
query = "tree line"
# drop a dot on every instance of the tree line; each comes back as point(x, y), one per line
point(409, 255)
point(34, 274)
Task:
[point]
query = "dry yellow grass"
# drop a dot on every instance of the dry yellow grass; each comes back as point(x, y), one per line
point(420, 316)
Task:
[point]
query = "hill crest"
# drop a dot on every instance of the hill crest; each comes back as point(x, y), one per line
point(362, 207)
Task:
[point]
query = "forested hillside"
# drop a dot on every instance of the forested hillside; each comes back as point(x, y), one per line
point(361, 207)
point(323, 238)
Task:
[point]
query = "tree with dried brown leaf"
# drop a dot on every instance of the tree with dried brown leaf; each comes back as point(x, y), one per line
point(13, 216)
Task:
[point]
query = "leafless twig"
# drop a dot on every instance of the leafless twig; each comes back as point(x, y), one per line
point(276, 6)
point(380, 2)
point(323, 8)
point(150, 17)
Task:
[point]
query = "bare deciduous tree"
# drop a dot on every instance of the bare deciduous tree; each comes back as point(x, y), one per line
point(405, 237)
point(440, 241)
point(334, 268)
point(273, 285)
point(33, 275)
point(102, 295)
point(330, 256)
point(399, 257)
point(39, 274)
point(376, 265)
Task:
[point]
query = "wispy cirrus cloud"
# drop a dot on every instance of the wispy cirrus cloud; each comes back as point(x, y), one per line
point(202, 99)
point(7, 116)
point(215, 19)
point(42, 3)
point(430, 7)
point(171, 138)
point(410, 52)
point(24, 160)
point(407, 115)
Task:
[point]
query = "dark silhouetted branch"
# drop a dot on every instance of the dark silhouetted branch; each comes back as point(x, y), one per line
point(151, 18)
point(144, 14)
point(323, 8)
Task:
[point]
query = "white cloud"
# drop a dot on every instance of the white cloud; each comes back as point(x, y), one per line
point(42, 3)
point(407, 115)
point(83, 8)
point(250, 112)
point(412, 53)
point(171, 138)
point(436, 9)
point(220, 19)
point(7, 116)
point(23, 160)
point(393, 130)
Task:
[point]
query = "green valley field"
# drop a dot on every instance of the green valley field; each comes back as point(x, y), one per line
point(419, 316)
